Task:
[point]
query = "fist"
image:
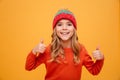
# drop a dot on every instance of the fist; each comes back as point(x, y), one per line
point(97, 55)
point(40, 48)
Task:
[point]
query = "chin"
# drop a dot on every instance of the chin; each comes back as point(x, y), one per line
point(65, 39)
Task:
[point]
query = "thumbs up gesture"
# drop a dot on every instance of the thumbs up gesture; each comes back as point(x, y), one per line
point(97, 55)
point(40, 48)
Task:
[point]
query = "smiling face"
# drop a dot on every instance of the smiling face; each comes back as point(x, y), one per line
point(64, 29)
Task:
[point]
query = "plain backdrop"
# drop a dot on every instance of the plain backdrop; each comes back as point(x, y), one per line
point(24, 22)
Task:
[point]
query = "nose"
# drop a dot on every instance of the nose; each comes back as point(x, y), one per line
point(64, 27)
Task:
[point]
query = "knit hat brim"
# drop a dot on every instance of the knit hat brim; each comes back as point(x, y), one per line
point(63, 15)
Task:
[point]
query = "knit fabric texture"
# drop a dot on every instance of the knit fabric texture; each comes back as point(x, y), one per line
point(64, 14)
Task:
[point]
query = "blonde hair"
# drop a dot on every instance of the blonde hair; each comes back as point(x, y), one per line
point(57, 49)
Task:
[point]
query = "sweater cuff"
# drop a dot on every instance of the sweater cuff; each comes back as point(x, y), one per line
point(102, 60)
point(32, 54)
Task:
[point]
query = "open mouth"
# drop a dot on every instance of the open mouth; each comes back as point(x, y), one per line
point(64, 33)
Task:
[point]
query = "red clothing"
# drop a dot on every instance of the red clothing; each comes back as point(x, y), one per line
point(64, 71)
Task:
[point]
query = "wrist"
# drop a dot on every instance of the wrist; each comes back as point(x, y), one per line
point(34, 52)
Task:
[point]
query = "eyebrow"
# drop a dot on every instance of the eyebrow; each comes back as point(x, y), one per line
point(67, 22)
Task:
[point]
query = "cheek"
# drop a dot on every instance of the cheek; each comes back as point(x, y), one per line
point(58, 32)
point(57, 29)
point(72, 31)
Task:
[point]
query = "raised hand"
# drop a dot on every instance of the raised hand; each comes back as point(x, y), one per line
point(97, 55)
point(40, 48)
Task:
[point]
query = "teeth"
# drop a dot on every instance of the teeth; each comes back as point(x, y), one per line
point(64, 33)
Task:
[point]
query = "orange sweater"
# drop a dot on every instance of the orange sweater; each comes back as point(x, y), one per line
point(66, 70)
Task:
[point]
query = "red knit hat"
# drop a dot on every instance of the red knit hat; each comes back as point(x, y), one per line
point(64, 14)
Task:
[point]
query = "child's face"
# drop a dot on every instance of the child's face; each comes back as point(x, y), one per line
point(64, 29)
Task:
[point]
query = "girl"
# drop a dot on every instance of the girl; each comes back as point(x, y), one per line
point(65, 56)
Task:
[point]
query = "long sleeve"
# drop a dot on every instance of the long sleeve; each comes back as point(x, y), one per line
point(93, 67)
point(32, 61)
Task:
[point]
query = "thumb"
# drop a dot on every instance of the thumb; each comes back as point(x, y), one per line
point(42, 41)
point(98, 48)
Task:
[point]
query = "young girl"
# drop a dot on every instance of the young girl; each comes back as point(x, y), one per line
point(65, 56)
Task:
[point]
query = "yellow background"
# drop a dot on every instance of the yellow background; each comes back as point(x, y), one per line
point(24, 22)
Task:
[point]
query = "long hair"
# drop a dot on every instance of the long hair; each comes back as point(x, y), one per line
point(57, 49)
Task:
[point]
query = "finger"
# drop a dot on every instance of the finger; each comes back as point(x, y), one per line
point(98, 47)
point(42, 41)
